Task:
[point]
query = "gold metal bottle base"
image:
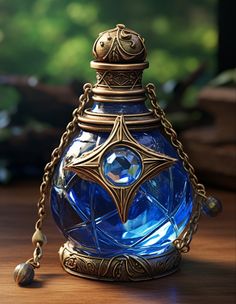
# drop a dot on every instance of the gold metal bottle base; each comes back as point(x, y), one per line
point(119, 268)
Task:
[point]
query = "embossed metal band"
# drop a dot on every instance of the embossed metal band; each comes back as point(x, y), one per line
point(119, 268)
point(138, 122)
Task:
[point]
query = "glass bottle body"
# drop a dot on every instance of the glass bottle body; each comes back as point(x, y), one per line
point(89, 219)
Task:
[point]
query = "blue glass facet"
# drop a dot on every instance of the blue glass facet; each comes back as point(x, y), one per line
point(121, 166)
point(120, 108)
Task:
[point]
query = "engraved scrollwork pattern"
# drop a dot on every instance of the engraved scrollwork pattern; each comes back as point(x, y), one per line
point(117, 79)
point(119, 268)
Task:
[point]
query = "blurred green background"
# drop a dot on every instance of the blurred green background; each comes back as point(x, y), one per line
point(50, 42)
point(53, 39)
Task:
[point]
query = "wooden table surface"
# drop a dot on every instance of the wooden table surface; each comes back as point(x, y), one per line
point(207, 274)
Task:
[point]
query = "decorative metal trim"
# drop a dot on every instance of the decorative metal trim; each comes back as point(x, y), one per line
point(121, 92)
point(110, 122)
point(121, 267)
point(118, 66)
point(117, 79)
point(88, 166)
point(99, 121)
point(115, 99)
point(126, 116)
point(107, 128)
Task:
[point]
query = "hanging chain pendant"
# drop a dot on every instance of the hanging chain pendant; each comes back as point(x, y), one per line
point(209, 205)
point(24, 272)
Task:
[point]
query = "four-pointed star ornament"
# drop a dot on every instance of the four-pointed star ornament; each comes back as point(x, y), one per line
point(120, 165)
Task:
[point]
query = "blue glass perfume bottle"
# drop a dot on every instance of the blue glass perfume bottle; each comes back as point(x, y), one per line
point(120, 194)
point(122, 189)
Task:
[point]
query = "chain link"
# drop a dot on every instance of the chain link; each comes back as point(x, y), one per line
point(183, 243)
point(49, 169)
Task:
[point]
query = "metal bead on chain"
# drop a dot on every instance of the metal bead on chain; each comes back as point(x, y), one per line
point(39, 237)
point(24, 272)
point(209, 205)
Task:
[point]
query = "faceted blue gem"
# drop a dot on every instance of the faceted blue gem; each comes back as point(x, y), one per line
point(121, 166)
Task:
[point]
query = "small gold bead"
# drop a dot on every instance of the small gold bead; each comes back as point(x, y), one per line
point(39, 237)
point(24, 274)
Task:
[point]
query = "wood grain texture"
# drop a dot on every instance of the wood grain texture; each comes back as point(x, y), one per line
point(207, 274)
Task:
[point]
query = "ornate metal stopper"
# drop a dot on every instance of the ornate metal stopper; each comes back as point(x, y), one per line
point(120, 56)
point(119, 45)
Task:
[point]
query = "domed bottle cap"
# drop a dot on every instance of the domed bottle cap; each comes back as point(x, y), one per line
point(119, 45)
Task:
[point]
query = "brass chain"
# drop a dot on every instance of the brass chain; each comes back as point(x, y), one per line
point(183, 243)
point(39, 238)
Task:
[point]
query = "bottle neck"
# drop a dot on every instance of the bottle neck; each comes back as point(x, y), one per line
point(118, 91)
point(119, 108)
